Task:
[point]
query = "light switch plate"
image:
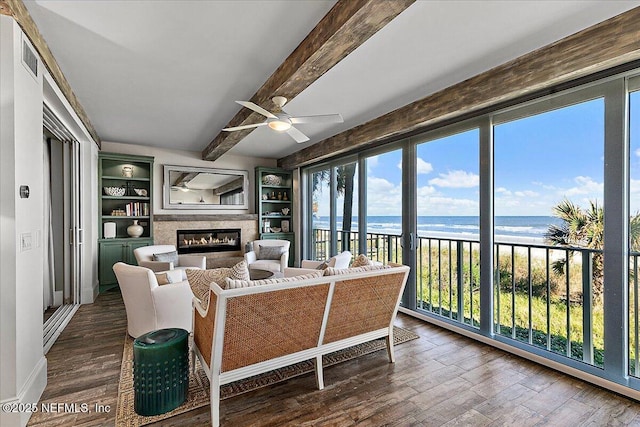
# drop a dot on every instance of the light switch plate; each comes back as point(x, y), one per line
point(25, 241)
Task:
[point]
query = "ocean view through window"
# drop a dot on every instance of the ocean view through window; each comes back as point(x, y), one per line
point(512, 224)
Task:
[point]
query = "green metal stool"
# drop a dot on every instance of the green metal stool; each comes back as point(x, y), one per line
point(160, 371)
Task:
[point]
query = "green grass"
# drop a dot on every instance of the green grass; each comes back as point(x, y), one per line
point(438, 289)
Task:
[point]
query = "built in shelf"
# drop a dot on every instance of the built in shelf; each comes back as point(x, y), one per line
point(125, 216)
point(123, 178)
point(146, 199)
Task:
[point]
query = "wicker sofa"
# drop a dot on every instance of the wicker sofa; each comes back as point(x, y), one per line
point(250, 330)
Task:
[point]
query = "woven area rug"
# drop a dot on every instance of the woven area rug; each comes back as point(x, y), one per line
point(199, 384)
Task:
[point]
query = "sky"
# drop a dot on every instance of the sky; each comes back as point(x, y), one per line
point(538, 161)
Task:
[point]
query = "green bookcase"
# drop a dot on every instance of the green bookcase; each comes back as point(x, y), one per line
point(274, 205)
point(131, 178)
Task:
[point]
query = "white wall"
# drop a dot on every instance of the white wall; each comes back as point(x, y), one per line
point(23, 366)
point(192, 159)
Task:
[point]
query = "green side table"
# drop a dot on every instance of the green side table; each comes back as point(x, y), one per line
point(160, 371)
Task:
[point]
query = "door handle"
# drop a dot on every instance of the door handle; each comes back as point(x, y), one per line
point(411, 241)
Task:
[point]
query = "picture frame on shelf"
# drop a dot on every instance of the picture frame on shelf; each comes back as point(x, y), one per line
point(285, 226)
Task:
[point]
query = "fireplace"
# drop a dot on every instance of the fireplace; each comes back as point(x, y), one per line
point(214, 240)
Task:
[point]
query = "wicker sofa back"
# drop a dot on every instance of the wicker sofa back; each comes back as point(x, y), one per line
point(256, 329)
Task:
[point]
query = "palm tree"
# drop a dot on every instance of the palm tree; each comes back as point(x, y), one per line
point(582, 228)
point(345, 175)
point(585, 228)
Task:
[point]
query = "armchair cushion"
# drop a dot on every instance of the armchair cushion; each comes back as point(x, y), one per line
point(270, 252)
point(167, 257)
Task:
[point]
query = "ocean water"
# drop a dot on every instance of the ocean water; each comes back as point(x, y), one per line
point(529, 227)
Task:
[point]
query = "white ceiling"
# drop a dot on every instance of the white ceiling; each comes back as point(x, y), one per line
point(166, 73)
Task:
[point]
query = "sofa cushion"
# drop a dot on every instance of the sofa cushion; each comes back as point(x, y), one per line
point(360, 261)
point(270, 252)
point(336, 271)
point(167, 257)
point(236, 284)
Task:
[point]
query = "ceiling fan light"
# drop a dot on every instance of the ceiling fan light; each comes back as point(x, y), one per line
point(280, 125)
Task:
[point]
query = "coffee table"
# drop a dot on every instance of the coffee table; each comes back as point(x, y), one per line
point(258, 274)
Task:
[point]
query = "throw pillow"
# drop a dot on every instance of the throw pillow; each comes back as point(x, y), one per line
point(167, 277)
point(167, 257)
point(340, 261)
point(240, 271)
point(360, 261)
point(200, 282)
point(163, 278)
point(270, 252)
point(322, 266)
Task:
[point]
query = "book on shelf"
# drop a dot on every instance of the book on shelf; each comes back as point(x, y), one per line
point(137, 209)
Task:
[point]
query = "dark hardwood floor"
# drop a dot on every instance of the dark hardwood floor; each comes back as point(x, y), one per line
point(441, 379)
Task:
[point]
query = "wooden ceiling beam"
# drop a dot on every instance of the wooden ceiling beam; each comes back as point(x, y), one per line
point(345, 27)
point(605, 45)
point(18, 11)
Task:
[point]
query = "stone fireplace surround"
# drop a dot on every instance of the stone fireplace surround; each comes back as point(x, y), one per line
point(166, 226)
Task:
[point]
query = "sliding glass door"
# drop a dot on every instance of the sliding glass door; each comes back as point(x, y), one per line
point(62, 227)
point(448, 226)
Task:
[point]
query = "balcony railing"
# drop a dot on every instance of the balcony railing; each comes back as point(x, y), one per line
point(535, 301)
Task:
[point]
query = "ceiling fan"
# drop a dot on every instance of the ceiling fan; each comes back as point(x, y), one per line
point(282, 121)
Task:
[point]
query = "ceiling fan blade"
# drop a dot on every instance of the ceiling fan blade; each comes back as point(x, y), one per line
point(297, 135)
point(323, 118)
point(257, 109)
point(244, 127)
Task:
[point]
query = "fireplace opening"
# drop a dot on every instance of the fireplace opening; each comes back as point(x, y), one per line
point(213, 240)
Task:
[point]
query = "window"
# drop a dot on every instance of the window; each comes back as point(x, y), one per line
point(548, 191)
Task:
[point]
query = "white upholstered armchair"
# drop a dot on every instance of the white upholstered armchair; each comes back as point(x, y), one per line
point(150, 306)
point(165, 257)
point(271, 254)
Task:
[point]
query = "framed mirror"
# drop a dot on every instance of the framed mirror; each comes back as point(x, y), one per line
point(187, 187)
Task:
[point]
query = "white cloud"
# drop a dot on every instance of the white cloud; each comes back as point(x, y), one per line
point(526, 193)
point(372, 162)
point(502, 190)
point(585, 186)
point(637, 152)
point(456, 179)
point(383, 197)
point(424, 167)
point(427, 190)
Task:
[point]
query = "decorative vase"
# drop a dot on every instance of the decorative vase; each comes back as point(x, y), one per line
point(135, 230)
